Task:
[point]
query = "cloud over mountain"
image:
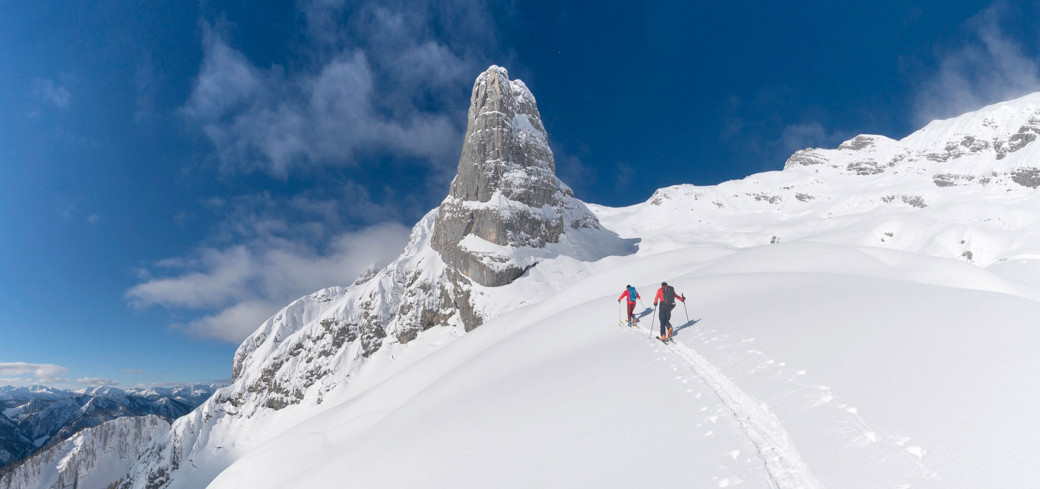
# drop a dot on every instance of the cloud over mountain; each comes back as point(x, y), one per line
point(387, 86)
point(238, 287)
point(21, 373)
point(990, 66)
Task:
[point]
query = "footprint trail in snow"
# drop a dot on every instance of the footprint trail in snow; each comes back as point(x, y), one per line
point(782, 461)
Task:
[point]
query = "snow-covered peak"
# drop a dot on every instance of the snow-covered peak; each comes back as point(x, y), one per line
point(993, 145)
point(31, 392)
point(109, 392)
point(996, 122)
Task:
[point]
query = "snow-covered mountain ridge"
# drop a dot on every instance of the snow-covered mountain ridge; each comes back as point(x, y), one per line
point(975, 147)
point(35, 416)
point(961, 188)
point(93, 457)
point(845, 328)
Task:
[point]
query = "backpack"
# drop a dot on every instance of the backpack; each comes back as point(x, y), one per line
point(632, 294)
point(669, 295)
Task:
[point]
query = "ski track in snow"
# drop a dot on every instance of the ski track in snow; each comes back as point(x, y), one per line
point(857, 430)
point(783, 463)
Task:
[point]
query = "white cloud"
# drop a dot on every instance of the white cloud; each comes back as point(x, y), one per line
point(226, 80)
point(21, 373)
point(431, 62)
point(367, 93)
point(372, 82)
point(225, 273)
point(239, 287)
point(235, 322)
point(990, 68)
point(56, 95)
point(97, 382)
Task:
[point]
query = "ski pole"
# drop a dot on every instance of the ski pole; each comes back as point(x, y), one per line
point(684, 309)
point(619, 313)
point(652, 321)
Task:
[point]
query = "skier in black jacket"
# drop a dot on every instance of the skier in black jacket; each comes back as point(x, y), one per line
point(666, 297)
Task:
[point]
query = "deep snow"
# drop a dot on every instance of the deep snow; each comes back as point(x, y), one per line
point(846, 366)
point(866, 318)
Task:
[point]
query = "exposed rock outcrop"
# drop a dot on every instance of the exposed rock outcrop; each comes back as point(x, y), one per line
point(862, 155)
point(506, 197)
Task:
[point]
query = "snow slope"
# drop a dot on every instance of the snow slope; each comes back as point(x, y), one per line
point(854, 376)
point(866, 318)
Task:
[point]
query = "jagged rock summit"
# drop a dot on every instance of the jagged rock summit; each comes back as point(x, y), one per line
point(506, 203)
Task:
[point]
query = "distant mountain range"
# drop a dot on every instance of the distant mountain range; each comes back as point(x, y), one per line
point(38, 416)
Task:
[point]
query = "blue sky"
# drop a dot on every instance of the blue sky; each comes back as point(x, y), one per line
point(176, 172)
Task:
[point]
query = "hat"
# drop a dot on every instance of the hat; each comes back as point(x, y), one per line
point(664, 283)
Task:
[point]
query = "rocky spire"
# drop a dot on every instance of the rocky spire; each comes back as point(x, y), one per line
point(506, 196)
point(505, 213)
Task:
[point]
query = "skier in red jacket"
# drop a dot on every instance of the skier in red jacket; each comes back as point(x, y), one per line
point(632, 295)
point(666, 297)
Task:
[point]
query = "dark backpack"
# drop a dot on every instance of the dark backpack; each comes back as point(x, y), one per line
point(669, 295)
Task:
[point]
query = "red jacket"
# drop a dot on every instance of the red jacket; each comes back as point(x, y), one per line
point(630, 299)
point(660, 296)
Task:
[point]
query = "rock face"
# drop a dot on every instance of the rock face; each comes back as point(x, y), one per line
point(506, 196)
